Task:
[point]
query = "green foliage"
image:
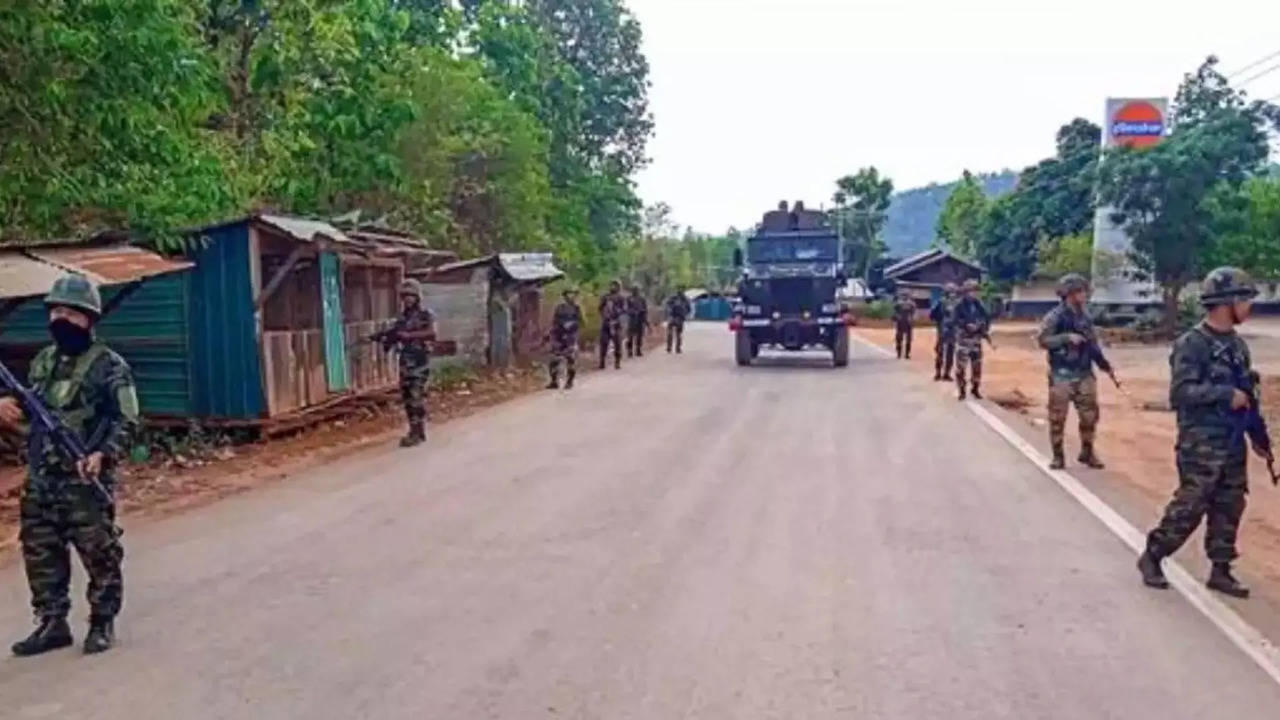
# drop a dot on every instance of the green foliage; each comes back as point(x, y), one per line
point(1165, 197)
point(960, 223)
point(862, 201)
point(101, 103)
point(483, 125)
point(661, 260)
point(1069, 254)
point(1246, 224)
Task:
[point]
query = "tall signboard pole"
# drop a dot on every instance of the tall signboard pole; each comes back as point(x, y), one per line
point(1137, 123)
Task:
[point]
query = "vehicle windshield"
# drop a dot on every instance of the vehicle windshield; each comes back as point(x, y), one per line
point(785, 251)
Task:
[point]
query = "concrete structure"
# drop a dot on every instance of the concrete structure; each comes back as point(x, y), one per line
point(1129, 123)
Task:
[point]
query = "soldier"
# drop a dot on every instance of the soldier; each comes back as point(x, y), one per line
point(414, 330)
point(565, 323)
point(678, 310)
point(637, 322)
point(972, 325)
point(1211, 456)
point(612, 307)
point(90, 389)
point(944, 350)
point(1068, 335)
point(904, 314)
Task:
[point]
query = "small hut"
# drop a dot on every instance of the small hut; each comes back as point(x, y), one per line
point(491, 305)
point(924, 275)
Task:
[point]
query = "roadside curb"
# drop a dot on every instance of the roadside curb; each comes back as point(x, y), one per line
point(1243, 635)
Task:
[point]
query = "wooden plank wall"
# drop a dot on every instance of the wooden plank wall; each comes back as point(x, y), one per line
point(293, 366)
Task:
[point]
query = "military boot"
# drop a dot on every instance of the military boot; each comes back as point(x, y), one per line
point(976, 392)
point(568, 385)
point(1152, 575)
point(53, 633)
point(554, 384)
point(102, 635)
point(937, 375)
point(1090, 458)
point(1223, 581)
point(1059, 458)
point(416, 436)
point(963, 394)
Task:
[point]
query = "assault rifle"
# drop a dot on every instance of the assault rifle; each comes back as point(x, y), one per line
point(46, 424)
point(1249, 422)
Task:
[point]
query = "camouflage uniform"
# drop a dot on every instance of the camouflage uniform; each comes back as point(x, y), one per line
point(677, 312)
point(565, 323)
point(1205, 367)
point(972, 324)
point(1211, 461)
point(943, 315)
point(90, 389)
point(637, 324)
point(415, 367)
point(1071, 378)
point(904, 314)
point(613, 306)
point(94, 395)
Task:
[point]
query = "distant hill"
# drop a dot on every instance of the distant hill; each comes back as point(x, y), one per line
point(913, 214)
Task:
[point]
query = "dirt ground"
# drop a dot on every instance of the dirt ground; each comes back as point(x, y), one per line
point(1137, 433)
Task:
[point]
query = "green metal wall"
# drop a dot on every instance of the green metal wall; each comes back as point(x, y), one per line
point(148, 329)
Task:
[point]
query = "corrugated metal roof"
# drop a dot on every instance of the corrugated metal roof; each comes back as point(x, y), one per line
point(521, 267)
point(304, 230)
point(31, 272)
point(530, 267)
point(925, 258)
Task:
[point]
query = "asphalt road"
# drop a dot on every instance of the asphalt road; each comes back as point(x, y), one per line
point(681, 539)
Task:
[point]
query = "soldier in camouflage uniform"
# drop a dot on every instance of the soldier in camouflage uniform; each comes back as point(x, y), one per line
point(904, 315)
point(678, 310)
point(1067, 333)
point(637, 322)
point(91, 390)
point(565, 323)
point(414, 330)
point(972, 325)
point(943, 315)
point(1211, 451)
point(613, 306)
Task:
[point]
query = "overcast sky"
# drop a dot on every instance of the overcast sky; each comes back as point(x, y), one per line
point(760, 100)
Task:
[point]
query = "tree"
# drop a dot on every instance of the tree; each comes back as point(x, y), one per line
point(1164, 196)
point(1246, 224)
point(862, 203)
point(960, 224)
point(1070, 254)
point(102, 105)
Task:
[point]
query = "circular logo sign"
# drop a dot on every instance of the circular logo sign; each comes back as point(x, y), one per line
point(1137, 124)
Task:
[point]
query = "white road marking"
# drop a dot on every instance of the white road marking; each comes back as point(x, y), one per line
point(1245, 636)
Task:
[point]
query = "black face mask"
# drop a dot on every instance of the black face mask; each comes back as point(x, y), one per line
point(70, 337)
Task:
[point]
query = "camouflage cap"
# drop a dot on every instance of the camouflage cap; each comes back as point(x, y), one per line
point(1071, 282)
point(74, 290)
point(971, 285)
point(1226, 285)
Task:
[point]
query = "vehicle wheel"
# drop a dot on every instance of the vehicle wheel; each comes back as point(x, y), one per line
point(755, 349)
point(840, 347)
point(742, 351)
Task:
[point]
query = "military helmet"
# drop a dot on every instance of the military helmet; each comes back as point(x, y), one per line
point(971, 285)
point(74, 290)
point(1226, 285)
point(411, 287)
point(950, 288)
point(569, 290)
point(1071, 282)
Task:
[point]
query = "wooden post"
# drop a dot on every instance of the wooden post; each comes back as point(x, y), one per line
point(279, 277)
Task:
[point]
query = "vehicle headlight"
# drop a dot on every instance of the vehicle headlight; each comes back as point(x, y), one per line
point(830, 308)
point(752, 309)
point(777, 315)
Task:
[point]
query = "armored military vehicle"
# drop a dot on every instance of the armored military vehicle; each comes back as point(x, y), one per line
point(792, 274)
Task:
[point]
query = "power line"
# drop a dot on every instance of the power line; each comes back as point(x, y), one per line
point(1253, 65)
point(1262, 74)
